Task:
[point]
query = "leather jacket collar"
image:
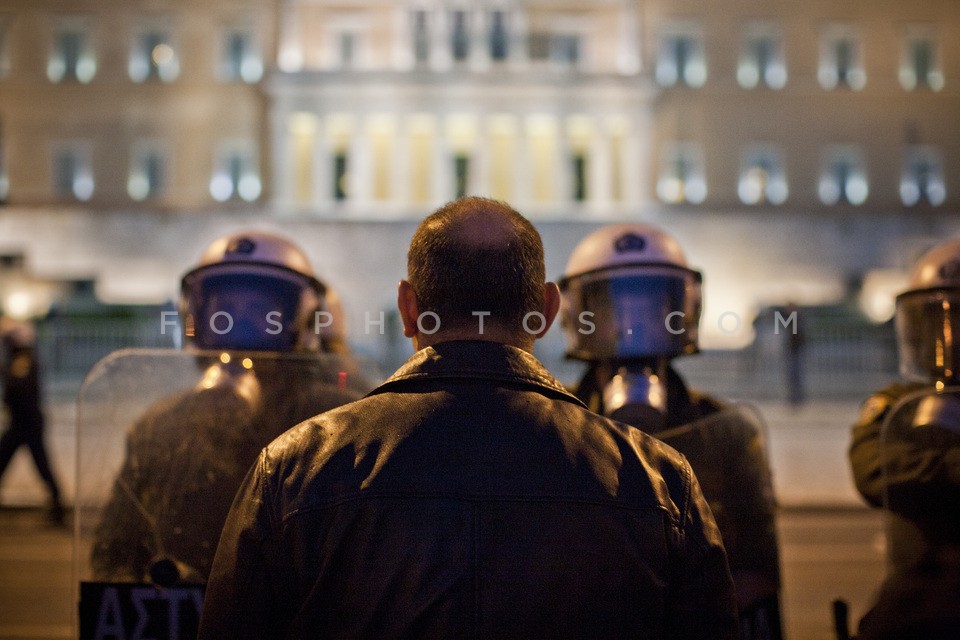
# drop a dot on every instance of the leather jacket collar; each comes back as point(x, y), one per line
point(477, 360)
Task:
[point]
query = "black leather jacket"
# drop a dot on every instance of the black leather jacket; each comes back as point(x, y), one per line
point(469, 496)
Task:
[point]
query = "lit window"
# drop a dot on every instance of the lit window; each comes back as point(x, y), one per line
point(240, 59)
point(681, 60)
point(154, 56)
point(73, 172)
point(460, 34)
point(843, 178)
point(762, 178)
point(920, 62)
point(235, 174)
point(420, 19)
point(761, 59)
point(71, 54)
point(841, 63)
point(461, 135)
point(580, 135)
point(148, 171)
point(499, 35)
point(682, 177)
point(922, 177)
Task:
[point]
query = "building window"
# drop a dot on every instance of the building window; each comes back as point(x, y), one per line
point(73, 172)
point(240, 59)
point(843, 178)
point(148, 171)
point(580, 136)
point(922, 177)
point(5, 22)
point(235, 173)
point(460, 34)
point(340, 175)
point(420, 19)
point(761, 59)
point(920, 61)
point(154, 56)
point(762, 177)
point(561, 48)
point(502, 155)
point(682, 176)
point(681, 60)
point(841, 63)
point(499, 35)
point(71, 53)
point(461, 175)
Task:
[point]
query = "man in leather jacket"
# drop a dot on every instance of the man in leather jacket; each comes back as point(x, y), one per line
point(470, 494)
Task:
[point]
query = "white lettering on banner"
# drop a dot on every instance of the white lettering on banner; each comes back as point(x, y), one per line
point(110, 618)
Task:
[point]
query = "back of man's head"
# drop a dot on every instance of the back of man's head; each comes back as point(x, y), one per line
point(477, 256)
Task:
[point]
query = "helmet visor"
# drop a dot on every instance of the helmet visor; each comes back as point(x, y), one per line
point(245, 311)
point(927, 322)
point(625, 315)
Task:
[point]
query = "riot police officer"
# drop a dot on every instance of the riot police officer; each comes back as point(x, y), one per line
point(630, 306)
point(252, 296)
point(905, 457)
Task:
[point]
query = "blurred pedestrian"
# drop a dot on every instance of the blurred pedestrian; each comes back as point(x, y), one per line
point(23, 400)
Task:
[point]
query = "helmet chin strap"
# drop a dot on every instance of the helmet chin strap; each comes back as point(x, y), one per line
point(636, 393)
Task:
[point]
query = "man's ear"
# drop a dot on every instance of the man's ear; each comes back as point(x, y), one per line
point(408, 307)
point(551, 305)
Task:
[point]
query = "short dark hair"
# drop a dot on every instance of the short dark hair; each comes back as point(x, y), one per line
point(454, 276)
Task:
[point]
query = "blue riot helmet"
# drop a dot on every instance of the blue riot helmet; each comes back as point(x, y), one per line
point(253, 291)
point(928, 318)
point(628, 293)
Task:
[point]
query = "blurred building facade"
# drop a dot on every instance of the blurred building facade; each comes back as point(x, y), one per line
point(609, 107)
point(801, 152)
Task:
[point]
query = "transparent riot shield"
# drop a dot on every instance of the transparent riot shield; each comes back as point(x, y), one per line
point(919, 448)
point(728, 453)
point(164, 439)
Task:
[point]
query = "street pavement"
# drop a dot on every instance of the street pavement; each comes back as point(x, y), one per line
point(832, 546)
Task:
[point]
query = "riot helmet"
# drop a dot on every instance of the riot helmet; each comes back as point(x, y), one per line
point(928, 317)
point(252, 291)
point(628, 293)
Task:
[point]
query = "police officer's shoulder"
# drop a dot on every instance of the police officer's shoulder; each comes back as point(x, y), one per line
point(877, 405)
point(705, 403)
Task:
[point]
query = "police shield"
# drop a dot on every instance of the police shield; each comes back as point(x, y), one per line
point(728, 453)
point(919, 444)
point(164, 441)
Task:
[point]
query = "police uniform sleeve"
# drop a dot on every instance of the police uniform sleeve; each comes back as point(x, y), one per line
point(244, 597)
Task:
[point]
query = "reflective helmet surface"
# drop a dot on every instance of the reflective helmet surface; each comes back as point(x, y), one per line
point(928, 317)
point(252, 290)
point(628, 293)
